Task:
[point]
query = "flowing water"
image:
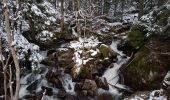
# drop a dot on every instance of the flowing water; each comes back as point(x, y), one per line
point(111, 74)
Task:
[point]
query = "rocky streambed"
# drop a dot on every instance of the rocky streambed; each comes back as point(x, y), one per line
point(80, 70)
point(101, 66)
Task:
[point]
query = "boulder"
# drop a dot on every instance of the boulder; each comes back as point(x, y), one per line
point(149, 65)
point(102, 83)
point(71, 97)
point(61, 94)
point(104, 50)
point(49, 91)
point(33, 86)
point(78, 86)
point(53, 78)
point(65, 58)
point(103, 96)
point(90, 86)
point(107, 52)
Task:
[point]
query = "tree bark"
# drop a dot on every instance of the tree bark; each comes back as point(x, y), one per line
point(141, 8)
point(77, 8)
point(62, 16)
point(115, 7)
point(122, 10)
point(14, 55)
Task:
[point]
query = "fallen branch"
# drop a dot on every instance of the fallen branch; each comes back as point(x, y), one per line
point(124, 89)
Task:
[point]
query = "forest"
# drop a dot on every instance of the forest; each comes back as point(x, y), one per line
point(84, 50)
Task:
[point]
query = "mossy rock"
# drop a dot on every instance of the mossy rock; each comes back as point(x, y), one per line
point(149, 66)
point(104, 50)
point(162, 16)
point(85, 73)
point(136, 36)
point(140, 69)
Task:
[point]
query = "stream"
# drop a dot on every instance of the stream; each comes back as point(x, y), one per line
point(39, 80)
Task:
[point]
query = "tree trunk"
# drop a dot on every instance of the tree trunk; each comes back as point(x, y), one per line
point(77, 7)
point(14, 55)
point(122, 10)
point(55, 4)
point(115, 7)
point(141, 8)
point(62, 16)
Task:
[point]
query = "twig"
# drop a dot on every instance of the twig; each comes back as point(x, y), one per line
point(10, 82)
point(120, 88)
point(43, 95)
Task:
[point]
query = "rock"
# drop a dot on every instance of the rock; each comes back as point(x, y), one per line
point(142, 94)
point(102, 83)
point(78, 87)
point(46, 62)
point(50, 52)
point(30, 97)
point(106, 52)
point(88, 88)
point(65, 58)
point(49, 91)
point(57, 83)
point(105, 95)
point(84, 92)
point(33, 85)
point(104, 49)
point(126, 47)
point(71, 97)
point(89, 85)
point(91, 93)
point(166, 85)
point(149, 65)
point(53, 77)
point(61, 94)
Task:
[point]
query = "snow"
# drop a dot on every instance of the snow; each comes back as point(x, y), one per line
point(93, 53)
point(86, 43)
point(25, 26)
point(37, 11)
point(45, 35)
point(160, 95)
point(2, 57)
point(74, 32)
point(166, 80)
point(48, 7)
point(115, 24)
point(132, 18)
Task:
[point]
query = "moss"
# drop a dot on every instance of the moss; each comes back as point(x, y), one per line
point(84, 73)
point(104, 49)
point(141, 67)
point(162, 16)
point(136, 36)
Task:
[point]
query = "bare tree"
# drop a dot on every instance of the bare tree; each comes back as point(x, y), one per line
point(77, 8)
point(62, 16)
point(115, 6)
point(141, 8)
point(122, 10)
point(12, 49)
